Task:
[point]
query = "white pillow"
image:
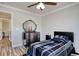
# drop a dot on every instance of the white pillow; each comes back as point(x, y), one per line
point(56, 36)
point(61, 36)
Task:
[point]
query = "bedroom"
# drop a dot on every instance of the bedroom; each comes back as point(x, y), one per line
point(63, 17)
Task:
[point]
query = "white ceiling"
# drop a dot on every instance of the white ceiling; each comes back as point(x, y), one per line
point(23, 5)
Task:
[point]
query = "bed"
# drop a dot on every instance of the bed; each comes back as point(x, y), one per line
point(60, 45)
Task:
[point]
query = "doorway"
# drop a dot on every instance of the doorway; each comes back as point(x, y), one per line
point(5, 29)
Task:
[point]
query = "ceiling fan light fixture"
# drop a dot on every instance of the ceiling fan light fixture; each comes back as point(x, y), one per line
point(40, 5)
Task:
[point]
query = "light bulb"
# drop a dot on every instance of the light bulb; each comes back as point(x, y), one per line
point(40, 5)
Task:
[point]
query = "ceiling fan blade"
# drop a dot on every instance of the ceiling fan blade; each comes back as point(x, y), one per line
point(50, 3)
point(33, 4)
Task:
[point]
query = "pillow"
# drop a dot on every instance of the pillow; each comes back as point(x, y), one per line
point(57, 40)
point(65, 38)
point(61, 37)
point(56, 36)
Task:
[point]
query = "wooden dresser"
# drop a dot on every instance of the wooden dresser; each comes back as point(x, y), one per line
point(30, 37)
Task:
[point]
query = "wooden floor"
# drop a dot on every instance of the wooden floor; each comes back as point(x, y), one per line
point(5, 42)
point(7, 50)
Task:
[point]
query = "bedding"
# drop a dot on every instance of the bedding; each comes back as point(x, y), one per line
point(53, 47)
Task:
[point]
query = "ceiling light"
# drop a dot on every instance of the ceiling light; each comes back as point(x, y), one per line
point(40, 5)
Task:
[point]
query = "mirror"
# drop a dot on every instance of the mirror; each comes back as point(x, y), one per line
point(29, 26)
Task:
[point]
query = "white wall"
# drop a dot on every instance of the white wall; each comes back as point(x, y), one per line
point(64, 20)
point(17, 25)
point(18, 17)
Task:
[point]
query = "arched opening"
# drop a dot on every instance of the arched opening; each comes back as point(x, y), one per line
point(5, 29)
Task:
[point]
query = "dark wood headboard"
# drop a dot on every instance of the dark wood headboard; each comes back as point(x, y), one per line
point(70, 35)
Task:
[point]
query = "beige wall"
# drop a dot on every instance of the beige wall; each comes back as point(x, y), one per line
point(6, 27)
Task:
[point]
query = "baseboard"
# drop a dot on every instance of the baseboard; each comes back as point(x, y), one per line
point(17, 45)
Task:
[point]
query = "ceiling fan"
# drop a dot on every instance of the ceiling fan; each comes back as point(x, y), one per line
point(41, 5)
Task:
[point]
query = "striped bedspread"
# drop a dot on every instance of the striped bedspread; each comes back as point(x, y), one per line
point(50, 48)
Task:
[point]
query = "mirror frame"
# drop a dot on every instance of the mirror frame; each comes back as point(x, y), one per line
point(33, 23)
